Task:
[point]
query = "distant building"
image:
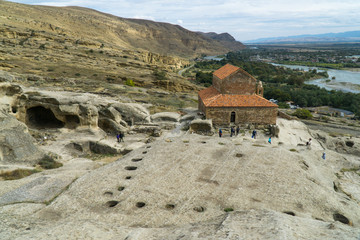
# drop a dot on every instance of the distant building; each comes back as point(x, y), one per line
point(236, 97)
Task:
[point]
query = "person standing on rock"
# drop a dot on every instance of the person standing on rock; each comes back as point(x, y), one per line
point(220, 132)
point(121, 136)
point(308, 144)
point(118, 137)
point(237, 130)
point(269, 141)
point(324, 156)
point(232, 131)
point(254, 134)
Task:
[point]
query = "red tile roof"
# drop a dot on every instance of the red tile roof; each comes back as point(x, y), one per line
point(225, 71)
point(212, 98)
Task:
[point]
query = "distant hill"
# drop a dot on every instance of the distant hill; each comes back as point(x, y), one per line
point(133, 34)
point(353, 36)
point(59, 43)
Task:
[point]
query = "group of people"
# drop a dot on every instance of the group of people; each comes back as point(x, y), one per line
point(120, 137)
point(232, 131)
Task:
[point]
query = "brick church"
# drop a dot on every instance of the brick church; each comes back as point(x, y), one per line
point(236, 97)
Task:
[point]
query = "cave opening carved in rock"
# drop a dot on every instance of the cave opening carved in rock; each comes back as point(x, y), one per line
point(40, 117)
point(72, 121)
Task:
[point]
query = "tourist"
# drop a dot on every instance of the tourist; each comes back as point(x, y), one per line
point(237, 130)
point(308, 144)
point(269, 141)
point(220, 132)
point(324, 156)
point(118, 137)
point(121, 136)
point(232, 131)
point(254, 134)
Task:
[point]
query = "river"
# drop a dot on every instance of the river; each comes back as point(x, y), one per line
point(342, 80)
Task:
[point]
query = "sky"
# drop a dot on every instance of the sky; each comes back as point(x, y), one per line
point(243, 19)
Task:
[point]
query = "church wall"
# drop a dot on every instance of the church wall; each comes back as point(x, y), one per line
point(201, 105)
point(238, 83)
point(259, 115)
point(216, 83)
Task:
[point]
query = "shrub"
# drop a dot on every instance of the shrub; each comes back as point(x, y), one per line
point(48, 163)
point(130, 83)
point(302, 113)
point(159, 75)
point(18, 173)
point(228, 209)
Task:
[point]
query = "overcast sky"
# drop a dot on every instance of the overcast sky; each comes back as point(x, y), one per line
point(243, 19)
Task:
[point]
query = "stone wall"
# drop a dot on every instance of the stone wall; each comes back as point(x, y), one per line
point(238, 83)
point(259, 115)
point(201, 105)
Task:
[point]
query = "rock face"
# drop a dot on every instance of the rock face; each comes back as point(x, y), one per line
point(17, 145)
point(340, 144)
point(54, 110)
point(201, 126)
point(165, 117)
point(186, 186)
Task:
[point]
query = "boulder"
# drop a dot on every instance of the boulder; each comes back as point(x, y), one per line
point(201, 126)
point(102, 148)
point(39, 190)
point(187, 117)
point(110, 126)
point(133, 113)
point(274, 130)
point(17, 145)
point(165, 117)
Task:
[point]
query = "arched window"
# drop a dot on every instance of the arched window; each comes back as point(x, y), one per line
point(232, 118)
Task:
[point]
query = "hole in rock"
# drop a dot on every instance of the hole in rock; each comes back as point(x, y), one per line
point(136, 159)
point(121, 188)
point(239, 155)
point(148, 147)
point(199, 209)
point(130, 168)
point(40, 117)
point(290, 213)
point(336, 189)
point(72, 121)
point(128, 177)
point(203, 142)
point(349, 143)
point(14, 109)
point(112, 203)
point(144, 152)
point(108, 193)
point(170, 206)
point(341, 218)
point(140, 204)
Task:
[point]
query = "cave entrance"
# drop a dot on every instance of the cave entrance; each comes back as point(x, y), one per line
point(40, 117)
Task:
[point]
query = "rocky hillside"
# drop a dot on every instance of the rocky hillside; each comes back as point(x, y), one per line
point(82, 26)
point(59, 43)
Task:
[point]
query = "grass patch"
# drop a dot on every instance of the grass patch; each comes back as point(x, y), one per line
point(221, 143)
point(48, 163)
point(228, 209)
point(258, 145)
point(349, 169)
point(293, 150)
point(186, 141)
point(18, 174)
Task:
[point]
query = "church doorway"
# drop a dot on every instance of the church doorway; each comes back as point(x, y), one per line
point(232, 118)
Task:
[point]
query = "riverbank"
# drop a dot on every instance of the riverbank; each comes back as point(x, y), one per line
point(340, 80)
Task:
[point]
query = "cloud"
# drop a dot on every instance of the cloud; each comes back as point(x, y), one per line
point(244, 19)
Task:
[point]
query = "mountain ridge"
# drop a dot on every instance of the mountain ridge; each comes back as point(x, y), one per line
point(104, 28)
point(350, 36)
